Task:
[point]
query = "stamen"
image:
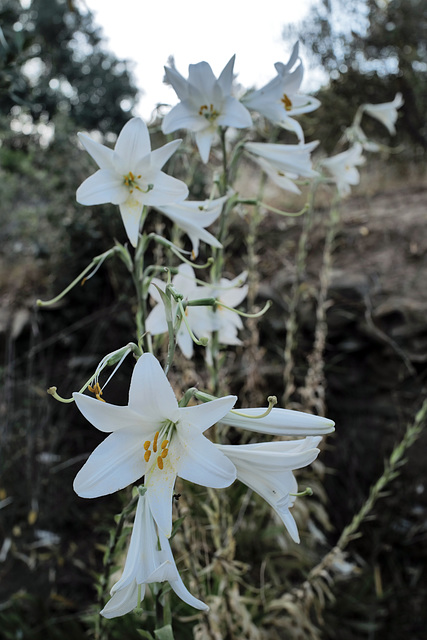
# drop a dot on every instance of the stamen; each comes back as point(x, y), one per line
point(164, 453)
point(155, 441)
point(164, 444)
point(147, 455)
point(147, 444)
point(96, 389)
point(209, 113)
point(287, 103)
point(160, 462)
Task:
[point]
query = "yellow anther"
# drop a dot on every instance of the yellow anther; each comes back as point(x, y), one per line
point(155, 441)
point(287, 103)
point(160, 462)
point(164, 453)
point(96, 389)
point(147, 444)
point(131, 176)
point(164, 444)
point(147, 455)
point(202, 108)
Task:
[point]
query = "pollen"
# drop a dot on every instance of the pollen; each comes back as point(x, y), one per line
point(147, 455)
point(131, 182)
point(287, 102)
point(147, 444)
point(164, 444)
point(96, 389)
point(210, 113)
point(160, 462)
point(156, 435)
point(164, 453)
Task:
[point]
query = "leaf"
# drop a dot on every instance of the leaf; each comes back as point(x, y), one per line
point(165, 633)
point(145, 634)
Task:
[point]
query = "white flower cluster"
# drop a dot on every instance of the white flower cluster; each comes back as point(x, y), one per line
point(154, 437)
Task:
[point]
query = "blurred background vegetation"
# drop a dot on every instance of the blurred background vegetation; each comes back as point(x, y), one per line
point(56, 78)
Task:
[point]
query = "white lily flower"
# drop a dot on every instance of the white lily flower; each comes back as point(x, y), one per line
point(203, 320)
point(284, 163)
point(355, 134)
point(386, 112)
point(342, 168)
point(199, 318)
point(280, 99)
point(153, 437)
point(206, 104)
point(146, 563)
point(279, 422)
point(230, 293)
point(267, 469)
point(193, 216)
point(131, 176)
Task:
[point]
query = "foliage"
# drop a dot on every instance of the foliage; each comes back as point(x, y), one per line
point(372, 49)
point(53, 61)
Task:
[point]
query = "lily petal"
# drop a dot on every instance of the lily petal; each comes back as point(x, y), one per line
point(177, 584)
point(108, 417)
point(161, 155)
point(166, 190)
point(102, 155)
point(203, 416)
point(102, 187)
point(280, 422)
point(150, 392)
point(133, 142)
point(117, 462)
point(123, 601)
point(204, 141)
point(203, 463)
point(131, 211)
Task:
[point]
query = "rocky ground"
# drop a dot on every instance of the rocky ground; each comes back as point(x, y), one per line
point(375, 365)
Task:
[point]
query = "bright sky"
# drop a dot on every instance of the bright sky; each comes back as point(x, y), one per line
point(149, 32)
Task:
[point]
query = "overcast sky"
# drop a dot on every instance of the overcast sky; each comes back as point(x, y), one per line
point(195, 30)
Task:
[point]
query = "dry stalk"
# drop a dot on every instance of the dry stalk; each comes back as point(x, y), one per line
point(291, 323)
point(313, 391)
point(318, 589)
